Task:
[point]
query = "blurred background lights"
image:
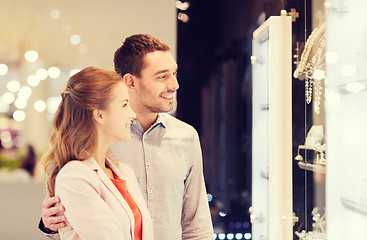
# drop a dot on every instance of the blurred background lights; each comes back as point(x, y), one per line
point(42, 73)
point(4, 107)
point(210, 197)
point(182, 6)
point(75, 39)
point(53, 104)
point(349, 70)
point(40, 106)
point(31, 56)
point(66, 28)
point(331, 57)
point(354, 87)
point(13, 86)
point(183, 17)
point(221, 236)
point(20, 103)
point(6, 139)
point(55, 14)
point(3, 69)
point(247, 236)
point(25, 92)
point(18, 141)
point(222, 214)
point(319, 74)
point(72, 72)
point(33, 80)
point(54, 72)
point(230, 236)
point(5, 136)
point(82, 48)
point(238, 235)
point(19, 116)
point(8, 98)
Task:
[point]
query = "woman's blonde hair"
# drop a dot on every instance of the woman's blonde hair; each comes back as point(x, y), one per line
point(74, 135)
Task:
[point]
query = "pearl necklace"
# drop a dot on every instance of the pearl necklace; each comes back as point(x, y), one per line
point(314, 37)
point(314, 45)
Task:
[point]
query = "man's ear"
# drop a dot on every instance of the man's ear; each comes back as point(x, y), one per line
point(130, 81)
point(98, 116)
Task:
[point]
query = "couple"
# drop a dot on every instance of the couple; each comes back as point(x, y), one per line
point(91, 165)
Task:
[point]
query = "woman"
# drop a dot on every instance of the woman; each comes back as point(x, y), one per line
point(102, 198)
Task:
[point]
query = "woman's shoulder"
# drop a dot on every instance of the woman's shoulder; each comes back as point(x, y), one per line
point(75, 169)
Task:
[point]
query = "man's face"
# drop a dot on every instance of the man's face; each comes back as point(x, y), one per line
point(158, 82)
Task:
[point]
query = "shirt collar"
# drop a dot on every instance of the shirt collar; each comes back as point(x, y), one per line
point(136, 127)
point(160, 119)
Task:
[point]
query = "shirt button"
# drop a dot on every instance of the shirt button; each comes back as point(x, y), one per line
point(148, 164)
point(150, 191)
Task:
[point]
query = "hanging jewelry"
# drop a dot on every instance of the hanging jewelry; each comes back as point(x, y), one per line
point(314, 45)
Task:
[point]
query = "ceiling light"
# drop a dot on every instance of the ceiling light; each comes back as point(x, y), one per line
point(8, 98)
point(354, 87)
point(19, 115)
point(3, 69)
point(40, 105)
point(54, 72)
point(42, 73)
point(31, 56)
point(25, 92)
point(55, 14)
point(13, 86)
point(75, 39)
point(33, 80)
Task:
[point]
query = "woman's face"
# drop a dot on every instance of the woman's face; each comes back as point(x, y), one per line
point(118, 115)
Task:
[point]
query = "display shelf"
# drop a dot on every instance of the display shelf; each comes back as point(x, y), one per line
point(312, 167)
point(354, 206)
point(311, 235)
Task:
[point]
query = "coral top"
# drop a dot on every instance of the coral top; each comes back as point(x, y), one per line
point(121, 186)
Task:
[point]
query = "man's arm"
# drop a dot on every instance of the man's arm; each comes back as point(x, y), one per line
point(52, 217)
point(196, 220)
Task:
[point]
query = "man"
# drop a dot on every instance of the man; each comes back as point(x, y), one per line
point(164, 152)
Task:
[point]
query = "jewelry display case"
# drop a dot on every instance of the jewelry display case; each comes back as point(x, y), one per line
point(271, 211)
point(328, 173)
point(310, 161)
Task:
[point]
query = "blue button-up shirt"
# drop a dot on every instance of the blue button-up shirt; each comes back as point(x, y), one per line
point(167, 162)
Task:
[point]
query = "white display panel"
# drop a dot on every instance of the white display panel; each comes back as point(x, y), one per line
point(346, 118)
point(260, 138)
point(271, 215)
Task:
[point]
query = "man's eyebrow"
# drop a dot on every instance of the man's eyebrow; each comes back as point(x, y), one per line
point(164, 71)
point(161, 71)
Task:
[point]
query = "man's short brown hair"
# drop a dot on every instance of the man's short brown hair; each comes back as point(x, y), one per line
point(129, 57)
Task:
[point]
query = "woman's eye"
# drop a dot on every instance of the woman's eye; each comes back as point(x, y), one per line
point(125, 105)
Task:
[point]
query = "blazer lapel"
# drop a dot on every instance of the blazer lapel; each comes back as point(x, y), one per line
point(112, 188)
point(135, 193)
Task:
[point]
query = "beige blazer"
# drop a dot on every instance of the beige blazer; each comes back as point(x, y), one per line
point(94, 208)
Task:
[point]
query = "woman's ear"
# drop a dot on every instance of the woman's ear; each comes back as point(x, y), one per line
point(98, 116)
point(129, 80)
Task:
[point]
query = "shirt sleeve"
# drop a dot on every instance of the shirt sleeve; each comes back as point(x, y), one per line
point(196, 220)
point(88, 214)
point(49, 233)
